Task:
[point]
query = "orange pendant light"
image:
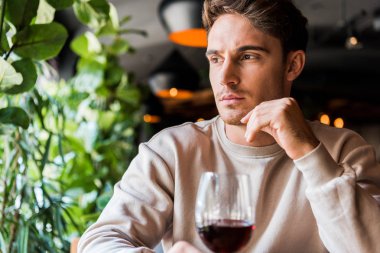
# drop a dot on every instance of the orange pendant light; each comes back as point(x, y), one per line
point(183, 21)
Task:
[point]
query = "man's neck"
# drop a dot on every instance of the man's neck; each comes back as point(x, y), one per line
point(235, 133)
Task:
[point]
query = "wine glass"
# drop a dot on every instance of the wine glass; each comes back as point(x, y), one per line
point(223, 211)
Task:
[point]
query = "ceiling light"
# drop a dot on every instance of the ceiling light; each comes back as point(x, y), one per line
point(339, 123)
point(325, 119)
point(174, 93)
point(175, 78)
point(352, 42)
point(168, 85)
point(183, 21)
point(151, 119)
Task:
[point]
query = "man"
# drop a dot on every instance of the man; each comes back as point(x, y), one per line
point(316, 188)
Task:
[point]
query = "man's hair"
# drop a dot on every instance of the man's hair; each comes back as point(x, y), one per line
point(278, 18)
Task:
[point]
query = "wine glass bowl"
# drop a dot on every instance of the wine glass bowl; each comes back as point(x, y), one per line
point(223, 211)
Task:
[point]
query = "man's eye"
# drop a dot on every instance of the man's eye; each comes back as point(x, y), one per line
point(248, 57)
point(214, 59)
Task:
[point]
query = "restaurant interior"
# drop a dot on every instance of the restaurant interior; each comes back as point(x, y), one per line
point(339, 86)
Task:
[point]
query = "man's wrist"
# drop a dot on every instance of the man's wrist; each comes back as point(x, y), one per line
point(318, 167)
point(304, 149)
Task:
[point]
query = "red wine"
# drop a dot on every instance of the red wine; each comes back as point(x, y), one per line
point(226, 235)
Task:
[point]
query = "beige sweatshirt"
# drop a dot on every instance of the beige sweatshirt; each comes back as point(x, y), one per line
point(319, 203)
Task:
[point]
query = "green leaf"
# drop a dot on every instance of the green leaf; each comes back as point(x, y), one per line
point(60, 4)
point(114, 17)
point(133, 31)
point(59, 223)
point(106, 29)
point(93, 13)
point(125, 20)
point(88, 132)
point(107, 118)
point(29, 73)
point(21, 12)
point(100, 6)
point(129, 95)
point(4, 45)
point(6, 130)
point(90, 76)
point(103, 199)
point(2, 243)
point(45, 13)
point(84, 13)
point(40, 42)
point(46, 153)
point(8, 76)
point(15, 116)
point(112, 26)
point(86, 45)
point(114, 75)
point(119, 47)
point(22, 242)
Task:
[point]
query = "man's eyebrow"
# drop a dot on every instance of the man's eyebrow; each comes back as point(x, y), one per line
point(251, 47)
point(241, 49)
point(211, 51)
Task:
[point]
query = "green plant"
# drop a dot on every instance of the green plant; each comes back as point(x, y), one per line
point(63, 144)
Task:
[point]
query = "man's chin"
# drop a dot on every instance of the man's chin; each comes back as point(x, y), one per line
point(232, 120)
point(232, 116)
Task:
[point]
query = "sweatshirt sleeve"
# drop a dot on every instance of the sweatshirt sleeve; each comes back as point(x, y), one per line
point(139, 212)
point(344, 196)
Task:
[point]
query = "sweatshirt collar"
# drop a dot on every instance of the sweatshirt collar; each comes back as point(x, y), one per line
point(265, 151)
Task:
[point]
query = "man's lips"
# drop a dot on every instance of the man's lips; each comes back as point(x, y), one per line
point(230, 98)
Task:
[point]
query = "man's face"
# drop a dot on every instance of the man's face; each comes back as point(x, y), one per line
point(246, 67)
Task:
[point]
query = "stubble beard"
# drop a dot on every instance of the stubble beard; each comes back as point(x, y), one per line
point(232, 116)
point(234, 122)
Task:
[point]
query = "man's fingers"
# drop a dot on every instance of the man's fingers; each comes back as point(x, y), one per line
point(245, 119)
point(257, 122)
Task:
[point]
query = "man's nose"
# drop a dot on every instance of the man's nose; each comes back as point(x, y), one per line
point(228, 73)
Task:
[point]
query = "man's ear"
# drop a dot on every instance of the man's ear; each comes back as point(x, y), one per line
point(295, 63)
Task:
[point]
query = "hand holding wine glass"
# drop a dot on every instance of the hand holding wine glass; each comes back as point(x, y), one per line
point(223, 212)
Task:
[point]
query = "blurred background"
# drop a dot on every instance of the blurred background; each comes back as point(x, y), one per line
point(340, 83)
point(82, 83)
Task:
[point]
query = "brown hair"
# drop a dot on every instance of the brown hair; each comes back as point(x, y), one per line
point(278, 18)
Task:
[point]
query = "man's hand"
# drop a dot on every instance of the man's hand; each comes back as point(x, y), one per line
point(283, 119)
point(183, 247)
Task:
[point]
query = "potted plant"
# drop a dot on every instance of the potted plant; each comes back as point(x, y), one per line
point(63, 143)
